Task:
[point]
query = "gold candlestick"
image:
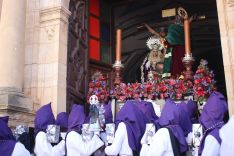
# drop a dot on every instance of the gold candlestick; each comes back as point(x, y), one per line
point(118, 66)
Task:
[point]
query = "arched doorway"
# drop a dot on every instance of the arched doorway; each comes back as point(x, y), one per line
point(205, 34)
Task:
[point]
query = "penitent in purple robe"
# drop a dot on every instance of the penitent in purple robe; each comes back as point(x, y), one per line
point(7, 140)
point(212, 117)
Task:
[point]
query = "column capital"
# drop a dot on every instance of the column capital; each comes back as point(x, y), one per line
point(58, 13)
point(54, 3)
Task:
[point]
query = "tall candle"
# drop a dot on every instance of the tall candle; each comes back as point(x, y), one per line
point(118, 44)
point(187, 37)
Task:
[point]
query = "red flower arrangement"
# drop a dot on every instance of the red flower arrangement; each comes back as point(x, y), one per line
point(136, 88)
point(98, 87)
point(119, 92)
point(162, 89)
point(204, 83)
point(156, 89)
point(202, 86)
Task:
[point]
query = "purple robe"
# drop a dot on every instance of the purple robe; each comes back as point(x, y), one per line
point(62, 120)
point(5, 118)
point(44, 117)
point(212, 117)
point(148, 110)
point(135, 122)
point(192, 110)
point(7, 140)
point(76, 118)
point(170, 118)
point(185, 121)
point(108, 114)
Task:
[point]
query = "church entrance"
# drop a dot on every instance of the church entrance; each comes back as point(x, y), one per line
point(91, 43)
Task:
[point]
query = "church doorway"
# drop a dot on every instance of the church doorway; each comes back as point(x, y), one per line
point(91, 43)
point(205, 35)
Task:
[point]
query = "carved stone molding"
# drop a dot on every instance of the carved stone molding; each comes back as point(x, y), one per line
point(50, 31)
point(58, 13)
point(230, 3)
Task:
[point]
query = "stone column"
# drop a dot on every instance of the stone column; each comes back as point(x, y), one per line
point(53, 54)
point(226, 24)
point(12, 30)
point(12, 36)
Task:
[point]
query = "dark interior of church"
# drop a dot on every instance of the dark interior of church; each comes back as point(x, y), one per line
point(96, 47)
point(205, 37)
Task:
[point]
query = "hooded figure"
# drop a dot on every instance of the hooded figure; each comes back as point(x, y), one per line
point(186, 124)
point(148, 110)
point(169, 140)
point(130, 123)
point(44, 117)
point(191, 109)
point(62, 121)
point(8, 144)
point(212, 120)
point(74, 142)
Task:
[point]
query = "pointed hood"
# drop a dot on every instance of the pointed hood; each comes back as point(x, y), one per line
point(212, 117)
point(76, 118)
point(135, 122)
point(170, 118)
point(44, 117)
point(62, 120)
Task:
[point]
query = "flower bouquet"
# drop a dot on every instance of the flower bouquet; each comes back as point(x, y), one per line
point(98, 87)
point(204, 83)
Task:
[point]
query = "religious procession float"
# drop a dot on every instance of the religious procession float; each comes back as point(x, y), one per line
point(166, 73)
